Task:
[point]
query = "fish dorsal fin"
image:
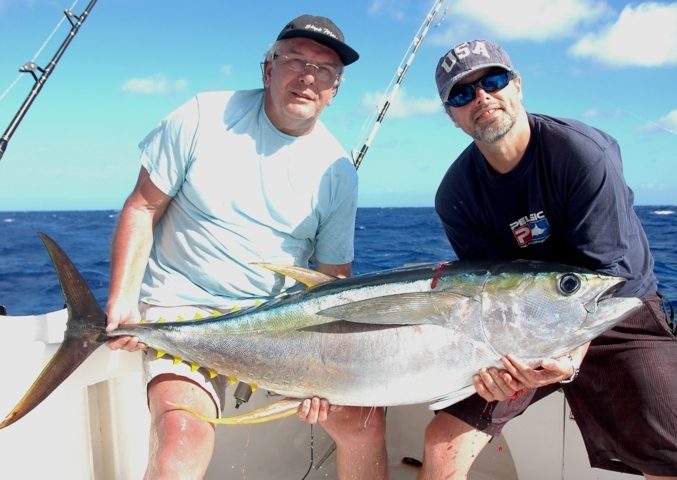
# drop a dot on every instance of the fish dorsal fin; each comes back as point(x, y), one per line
point(413, 308)
point(306, 276)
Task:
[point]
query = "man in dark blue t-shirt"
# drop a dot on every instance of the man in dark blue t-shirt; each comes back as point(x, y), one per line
point(537, 187)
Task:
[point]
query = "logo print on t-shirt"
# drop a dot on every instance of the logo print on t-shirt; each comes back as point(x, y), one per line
point(533, 228)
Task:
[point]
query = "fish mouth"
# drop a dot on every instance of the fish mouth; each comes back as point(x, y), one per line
point(606, 294)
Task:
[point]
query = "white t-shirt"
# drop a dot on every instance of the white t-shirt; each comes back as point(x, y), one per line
point(243, 192)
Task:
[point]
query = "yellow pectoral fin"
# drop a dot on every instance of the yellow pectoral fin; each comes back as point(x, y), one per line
point(273, 411)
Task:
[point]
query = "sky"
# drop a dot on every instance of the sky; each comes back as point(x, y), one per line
point(611, 64)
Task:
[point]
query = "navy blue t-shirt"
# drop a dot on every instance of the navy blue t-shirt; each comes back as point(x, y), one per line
point(566, 201)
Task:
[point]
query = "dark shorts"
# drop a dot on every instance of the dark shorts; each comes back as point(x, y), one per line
point(624, 399)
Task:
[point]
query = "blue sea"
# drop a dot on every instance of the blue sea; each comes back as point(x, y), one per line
point(384, 238)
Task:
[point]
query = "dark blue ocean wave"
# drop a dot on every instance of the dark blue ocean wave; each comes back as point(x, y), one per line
point(384, 238)
point(392, 237)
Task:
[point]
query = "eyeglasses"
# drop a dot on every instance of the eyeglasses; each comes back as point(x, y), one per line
point(324, 74)
point(494, 81)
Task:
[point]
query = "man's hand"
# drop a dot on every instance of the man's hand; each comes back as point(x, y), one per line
point(500, 384)
point(314, 410)
point(116, 315)
point(551, 370)
point(496, 384)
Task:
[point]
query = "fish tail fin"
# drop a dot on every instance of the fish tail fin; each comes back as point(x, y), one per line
point(85, 332)
point(273, 411)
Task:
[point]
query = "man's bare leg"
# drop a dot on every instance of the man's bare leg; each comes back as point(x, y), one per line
point(451, 446)
point(181, 445)
point(359, 433)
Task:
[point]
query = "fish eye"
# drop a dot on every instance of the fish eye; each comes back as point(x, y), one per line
point(569, 283)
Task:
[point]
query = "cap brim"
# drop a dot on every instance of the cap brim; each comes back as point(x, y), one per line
point(345, 53)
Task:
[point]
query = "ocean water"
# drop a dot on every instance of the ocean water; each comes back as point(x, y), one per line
point(384, 238)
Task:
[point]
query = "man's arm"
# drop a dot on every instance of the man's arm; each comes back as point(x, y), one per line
point(340, 271)
point(132, 243)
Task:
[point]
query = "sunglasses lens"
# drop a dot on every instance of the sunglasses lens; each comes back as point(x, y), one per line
point(461, 95)
point(494, 82)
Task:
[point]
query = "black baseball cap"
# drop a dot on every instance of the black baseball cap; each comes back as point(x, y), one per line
point(323, 31)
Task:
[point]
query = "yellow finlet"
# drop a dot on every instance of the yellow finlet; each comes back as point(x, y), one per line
point(212, 373)
point(177, 360)
point(159, 353)
point(194, 366)
point(231, 380)
point(273, 411)
point(306, 276)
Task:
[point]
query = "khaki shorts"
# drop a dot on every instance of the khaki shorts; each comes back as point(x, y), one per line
point(215, 386)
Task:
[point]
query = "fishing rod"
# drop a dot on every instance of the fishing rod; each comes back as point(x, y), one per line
point(76, 22)
point(395, 83)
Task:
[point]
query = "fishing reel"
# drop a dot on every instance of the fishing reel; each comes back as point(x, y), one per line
point(244, 390)
point(242, 393)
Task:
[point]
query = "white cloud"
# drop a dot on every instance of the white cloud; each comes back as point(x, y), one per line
point(592, 113)
point(6, 5)
point(667, 123)
point(3, 5)
point(157, 84)
point(643, 35)
point(401, 106)
point(598, 113)
point(226, 70)
point(521, 19)
point(396, 9)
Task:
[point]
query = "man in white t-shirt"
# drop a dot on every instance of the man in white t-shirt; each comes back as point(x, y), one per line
point(229, 179)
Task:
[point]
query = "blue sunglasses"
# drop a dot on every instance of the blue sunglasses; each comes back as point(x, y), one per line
point(494, 81)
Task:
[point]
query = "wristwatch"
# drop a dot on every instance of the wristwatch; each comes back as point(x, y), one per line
point(577, 370)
